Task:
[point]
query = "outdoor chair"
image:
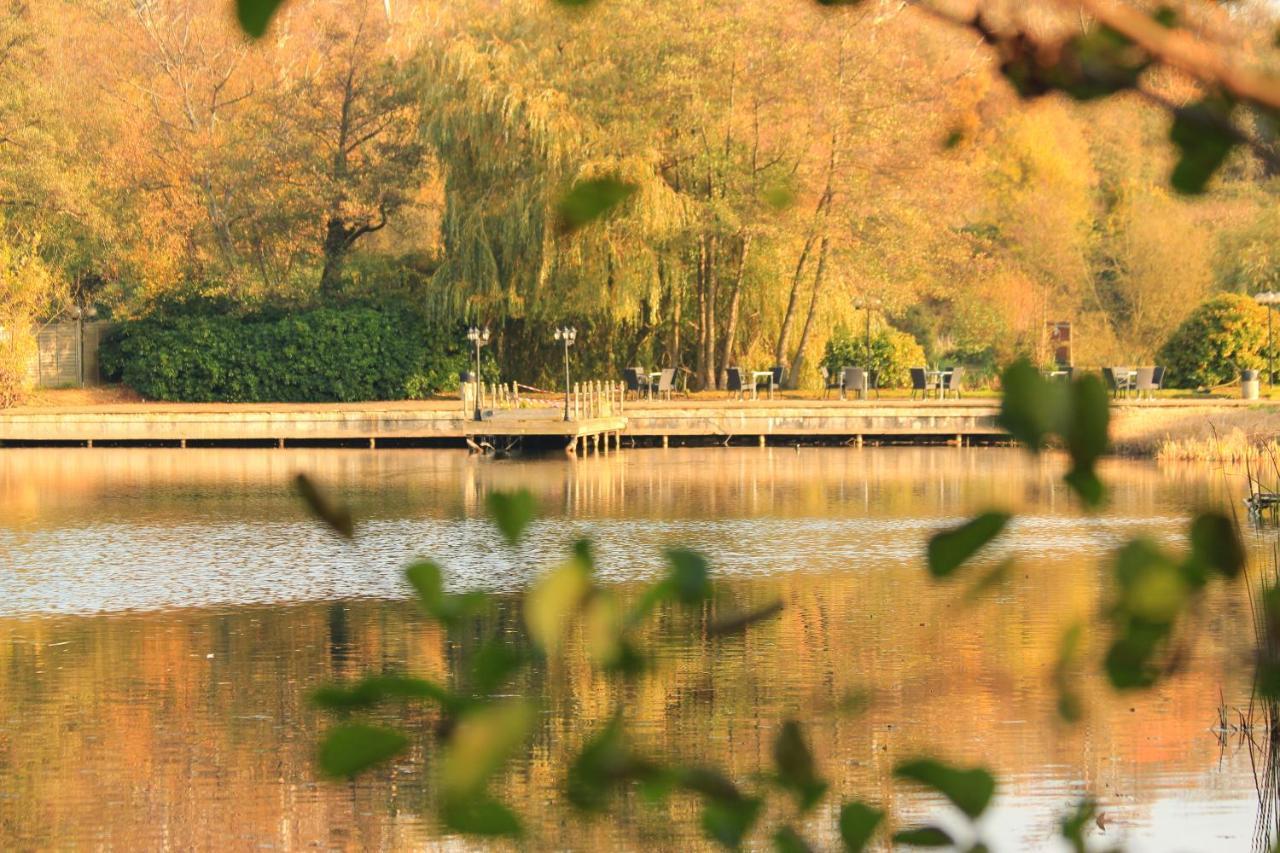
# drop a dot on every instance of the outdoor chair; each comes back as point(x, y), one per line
point(666, 383)
point(919, 382)
point(631, 378)
point(952, 382)
point(1158, 378)
point(464, 376)
point(1120, 376)
point(734, 383)
point(855, 380)
point(829, 385)
point(873, 382)
point(1113, 384)
point(1145, 382)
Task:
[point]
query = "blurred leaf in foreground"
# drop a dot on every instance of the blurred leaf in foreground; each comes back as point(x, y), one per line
point(512, 512)
point(858, 822)
point(255, 15)
point(480, 815)
point(589, 200)
point(1203, 136)
point(794, 765)
point(554, 601)
point(481, 742)
point(349, 748)
point(338, 517)
point(950, 549)
point(378, 688)
point(1215, 543)
point(428, 580)
point(970, 790)
point(924, 836)
point(787, 840)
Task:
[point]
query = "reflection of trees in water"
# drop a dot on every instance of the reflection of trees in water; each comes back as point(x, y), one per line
point(229, 740)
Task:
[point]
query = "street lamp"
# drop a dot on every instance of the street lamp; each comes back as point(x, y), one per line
point(566, 334)
point(866, 303)
point(479, 337)
point(1269, 298)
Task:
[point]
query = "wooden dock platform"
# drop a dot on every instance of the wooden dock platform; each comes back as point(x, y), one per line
point(443, 423)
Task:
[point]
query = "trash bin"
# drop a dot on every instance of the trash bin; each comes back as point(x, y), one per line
point(1249, 384)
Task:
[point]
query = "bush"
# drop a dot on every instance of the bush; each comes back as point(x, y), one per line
point(1221, 337)
point(892, 355)
point(323, 355)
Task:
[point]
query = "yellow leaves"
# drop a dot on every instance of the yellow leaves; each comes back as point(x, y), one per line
point(554, 601)
point(481, 743)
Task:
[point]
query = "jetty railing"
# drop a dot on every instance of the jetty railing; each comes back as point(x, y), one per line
point(593, 399)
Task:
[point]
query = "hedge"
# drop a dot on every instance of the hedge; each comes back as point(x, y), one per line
point(1220, 337)
point(893, 354)
point(323, 355)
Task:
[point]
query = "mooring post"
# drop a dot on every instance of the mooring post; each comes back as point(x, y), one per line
point(182, 442)
point(280, 444)
point(959, 440)
point(859, 441)
point(664, 442)
point(373, 443)
point(762, 441)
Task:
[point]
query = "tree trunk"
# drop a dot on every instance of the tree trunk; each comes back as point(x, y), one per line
point(784, 333)
point(700, 353)
point(819, 277)
point(731, 325)
point(709, 342)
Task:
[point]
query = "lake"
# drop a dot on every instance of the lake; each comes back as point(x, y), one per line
point(164, 615)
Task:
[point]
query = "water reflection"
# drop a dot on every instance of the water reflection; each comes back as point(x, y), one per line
point(166, 612)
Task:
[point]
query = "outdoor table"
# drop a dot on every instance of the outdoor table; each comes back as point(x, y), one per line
point(756, 376)
point(934, 379)
point(653, 381)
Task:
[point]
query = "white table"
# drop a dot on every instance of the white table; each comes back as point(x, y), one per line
point(653, 381)
point(934, 379)
point(758, 376)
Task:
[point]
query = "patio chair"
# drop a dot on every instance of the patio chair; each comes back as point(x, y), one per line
point(829, 384)
point(919, 382)
point(1145, 382)
point(1158, 378)
point(631, 378)
point(666, 383)
point(1113, 384)
point(855, 380)
point(734, 383)
point(873, 382)
point(952, 382)
point(1120, 376)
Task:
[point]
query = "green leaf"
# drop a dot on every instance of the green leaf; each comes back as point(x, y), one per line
point(1215, 542)
point(254, 15)
point(378, 688)
point(589, 200)
point(602, 764)
point(1204, 137)
point(427, 580)
point(970, 790)
point(338, 517)
point(924, 836)
point(493, 664)
point(727, 815)
point(1069, 705)
point(480, 815)
point(352, 747)
point(1030, 407)
point(858, 823)
point(689, 578)
point(729, 821)
point(1166, 16)
point(1075, 824)
point(1085, 432)
point(793, 763)
point(480, 744)
point(512, 512)
point(787, 840)
point(950, 549)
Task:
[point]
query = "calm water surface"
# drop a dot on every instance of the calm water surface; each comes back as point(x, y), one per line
point(164, 614)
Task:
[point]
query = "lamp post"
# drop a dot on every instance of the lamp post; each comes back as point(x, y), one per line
point(567, 335)
point(866, 303)
point(1269, 298)
point(478, 337)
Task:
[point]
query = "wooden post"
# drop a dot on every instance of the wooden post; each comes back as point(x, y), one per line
point(373, 443)
point(664, 442)
point(762, 441)
point(859, 441)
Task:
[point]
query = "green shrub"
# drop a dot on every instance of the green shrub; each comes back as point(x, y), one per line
point(323, 355)
point(893, 354)
point(1221, 337)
